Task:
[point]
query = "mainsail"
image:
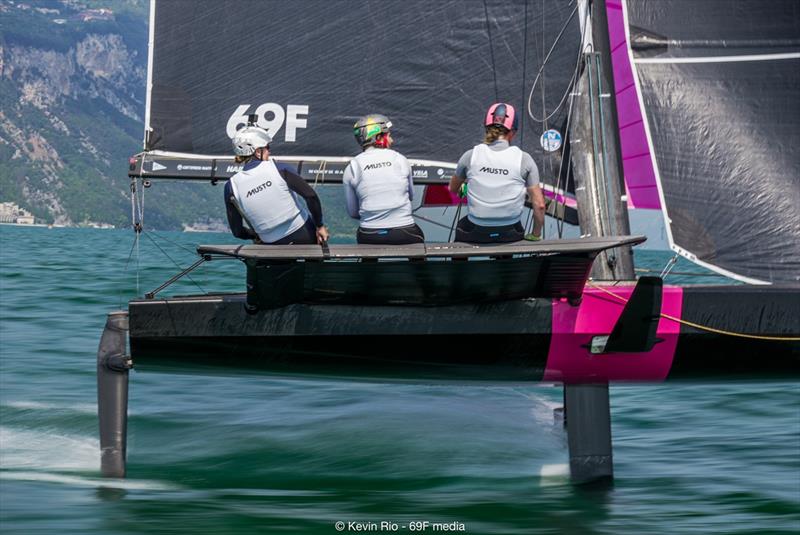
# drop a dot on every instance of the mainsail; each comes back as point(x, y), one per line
point(309, 69)
point(718, 83)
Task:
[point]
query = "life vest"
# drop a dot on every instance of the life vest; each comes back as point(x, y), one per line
point(265, 198)
point(496, 188)
point(380, 180)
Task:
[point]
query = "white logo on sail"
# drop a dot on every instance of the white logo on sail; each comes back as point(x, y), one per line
point(158, 167)
point(551, 140)
point(271, 117)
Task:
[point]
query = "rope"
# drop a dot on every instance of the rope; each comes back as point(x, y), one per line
point(543, 72)
point(453, 224)
point(560, 220)
point(541, 69)
point(705, 327)
point(173, 261)
point(130, 255)
point(320, 174)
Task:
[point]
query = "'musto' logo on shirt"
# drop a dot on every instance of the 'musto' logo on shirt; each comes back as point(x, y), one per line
point(494, 170)
point(259, 188)
point(377, 165)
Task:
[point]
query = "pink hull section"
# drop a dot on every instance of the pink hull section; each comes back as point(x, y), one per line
point(569, 359)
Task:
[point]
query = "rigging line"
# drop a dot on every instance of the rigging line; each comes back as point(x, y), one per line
point(193, 253)
point(431, 221)
point(547, 57)
point(689, 273)
point(136, 228)
point(491, 49)
point(125, 270)
point(138, 261)
point(320, 173)
point(141, 205)
point(609, 202)
point(600, 199)
point(560, 224)
point(705, 327)
point(173, 261)
point(133, 203)
point(524, 74)
point(670, 264)
point(543, 71)
point(453, 224)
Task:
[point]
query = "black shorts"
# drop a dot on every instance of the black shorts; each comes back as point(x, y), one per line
point(304, 235)
point(391, 236)
point(469, 232)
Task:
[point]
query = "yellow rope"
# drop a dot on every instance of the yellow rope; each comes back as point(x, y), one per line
point(704, 327)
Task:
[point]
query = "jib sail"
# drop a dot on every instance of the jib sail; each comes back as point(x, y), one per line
point(719, 88)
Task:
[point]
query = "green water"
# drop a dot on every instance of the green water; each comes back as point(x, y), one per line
point(257, 454)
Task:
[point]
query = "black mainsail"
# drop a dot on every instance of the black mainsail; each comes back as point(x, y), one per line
point(309, 69)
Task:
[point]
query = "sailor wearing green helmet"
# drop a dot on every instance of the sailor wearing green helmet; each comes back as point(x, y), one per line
point(378, 187)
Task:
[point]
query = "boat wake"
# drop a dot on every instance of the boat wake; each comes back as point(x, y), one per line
point(53, 457)
point(81, 481)
point(82, 408)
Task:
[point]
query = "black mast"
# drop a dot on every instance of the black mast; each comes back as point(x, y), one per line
point(595, 149)
point(602, 211)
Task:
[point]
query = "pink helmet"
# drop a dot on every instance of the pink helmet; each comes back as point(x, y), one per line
point(502, 114)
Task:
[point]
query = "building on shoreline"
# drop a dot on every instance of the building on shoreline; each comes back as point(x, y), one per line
point(11, 213)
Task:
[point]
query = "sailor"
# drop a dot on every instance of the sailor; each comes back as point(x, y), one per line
point(267, 196)
point(378, 187)
point(495, 176)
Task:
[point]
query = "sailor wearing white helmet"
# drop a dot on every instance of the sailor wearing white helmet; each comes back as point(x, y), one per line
point(378, 187)
point(267, 195)
point(496, 176)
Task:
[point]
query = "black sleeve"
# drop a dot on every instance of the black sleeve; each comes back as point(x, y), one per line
point(301, 187)
point(235, 218)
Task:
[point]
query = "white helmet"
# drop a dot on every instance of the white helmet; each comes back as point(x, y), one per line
point(248, 139)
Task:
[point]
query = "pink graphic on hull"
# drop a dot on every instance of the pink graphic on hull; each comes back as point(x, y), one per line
point(569, 359)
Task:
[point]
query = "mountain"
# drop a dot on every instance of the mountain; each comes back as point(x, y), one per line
point(72, 99)
point(72, 93)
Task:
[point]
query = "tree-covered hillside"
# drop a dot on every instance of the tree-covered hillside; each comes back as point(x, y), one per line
point(72, 99)
point(72, 92)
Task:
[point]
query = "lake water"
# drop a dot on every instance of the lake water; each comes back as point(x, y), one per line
point(256, 454)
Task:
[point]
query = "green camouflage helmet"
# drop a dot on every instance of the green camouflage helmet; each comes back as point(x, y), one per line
point(369, 126)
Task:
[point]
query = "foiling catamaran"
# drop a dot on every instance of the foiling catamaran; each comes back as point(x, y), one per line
point(675, 110)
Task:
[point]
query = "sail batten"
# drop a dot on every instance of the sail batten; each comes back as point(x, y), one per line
point(722, 59)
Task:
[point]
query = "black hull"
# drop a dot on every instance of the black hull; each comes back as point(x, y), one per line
point(511, 341)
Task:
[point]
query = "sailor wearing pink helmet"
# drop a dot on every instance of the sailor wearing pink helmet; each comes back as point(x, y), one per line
point(498, 176)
